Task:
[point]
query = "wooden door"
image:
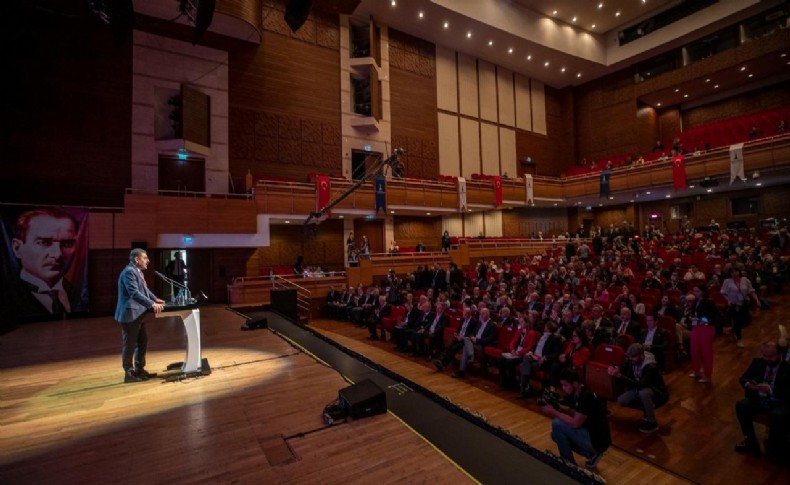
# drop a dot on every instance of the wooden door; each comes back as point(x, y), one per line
point(374, 230)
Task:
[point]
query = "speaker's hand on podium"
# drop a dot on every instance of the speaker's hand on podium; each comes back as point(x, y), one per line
point(160, 301)
point(158, 307)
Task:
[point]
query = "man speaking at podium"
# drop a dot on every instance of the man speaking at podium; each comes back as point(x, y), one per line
point(134, 299)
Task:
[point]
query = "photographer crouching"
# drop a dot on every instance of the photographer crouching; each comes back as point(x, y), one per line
point(579, 422)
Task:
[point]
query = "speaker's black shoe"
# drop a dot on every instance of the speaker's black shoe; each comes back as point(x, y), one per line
point(131, 376)
point(144, 374)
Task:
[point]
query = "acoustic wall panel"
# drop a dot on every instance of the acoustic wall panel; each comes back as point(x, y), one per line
point(486, 75)
point(523, 104)
point(507, 151)
point(470, 147)
point(453, 224)
point(467, 85)
point(489, 142)
point(473, 224)
point(446, 79)
point(449, 155)
point(493, 223)
point(538, 99)
point(507, 109)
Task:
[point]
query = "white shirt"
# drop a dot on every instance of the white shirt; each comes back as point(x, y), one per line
point(42, 293)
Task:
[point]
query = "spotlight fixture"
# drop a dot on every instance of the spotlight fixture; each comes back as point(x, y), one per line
point(490, 43)
point(593, 26)
point(510, 51)
point(529, 57)
point(446, 24)
point(468, 35)
point(420, 15)
point(546, 64)
point(617, 14)
point(578, 74)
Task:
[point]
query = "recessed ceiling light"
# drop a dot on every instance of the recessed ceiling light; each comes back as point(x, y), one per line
point(562, 70)
point(691, 186)
point(341, 217)
point(600, 205)
point(573, 19)
point(420, 15)
point(751, 75)
point(554, 12)
point(707, 80)
point(510, 50)
point(427, 213)
point(578, 74)
point(600, 5)
point(490, 43)
point(743, 68)
point(617, 14)
point(783, 55)
point(677, 90)
point(716, 87)
point(710, 190)
point(631, 201)
point(644, 1)
point(393, 3)
point(468, 35)
point(555, 204)
point(288, 222)
point(611, 197)
point(658, 104)
point(446, 25)
point(470, 210)
point(759, 184)
point(648, 192)
point(392, 212)
point(667, 196)
point(685, 95)
point(546, 64)
point(529, 57)
point(593, 26)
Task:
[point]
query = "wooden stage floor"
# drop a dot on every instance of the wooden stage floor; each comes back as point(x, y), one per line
point(698, 428)
point(66, 417)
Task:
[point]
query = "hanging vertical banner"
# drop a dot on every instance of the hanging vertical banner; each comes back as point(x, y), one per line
point(679, 172)
point(605, 176)
point(497, 181)
point(736, 162)
point(381, 193)
point(530, 193)
point(44, 255)
point(323, 192)
point(462, 194)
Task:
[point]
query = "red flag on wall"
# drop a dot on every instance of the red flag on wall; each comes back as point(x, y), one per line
point(679, 172)
point(497, 190)
point(323, 192)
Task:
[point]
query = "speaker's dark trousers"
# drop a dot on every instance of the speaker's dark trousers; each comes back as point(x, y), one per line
point(135, 343)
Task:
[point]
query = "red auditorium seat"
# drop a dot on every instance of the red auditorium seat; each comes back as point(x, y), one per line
point(597, 377)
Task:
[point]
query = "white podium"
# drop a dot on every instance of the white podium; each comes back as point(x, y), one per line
point(190, 316)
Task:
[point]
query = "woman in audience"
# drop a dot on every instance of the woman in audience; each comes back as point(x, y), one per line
point(577, 353)
point(739, 292)
point(667, 309)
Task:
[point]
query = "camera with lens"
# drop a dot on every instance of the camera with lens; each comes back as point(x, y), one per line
point(551, 398)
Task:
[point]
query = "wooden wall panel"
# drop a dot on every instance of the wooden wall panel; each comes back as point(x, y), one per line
point(505, 97)
point(552, 152)
point(65, 134)
point(487, 80)
point(412, 230)
point(508, 161)
point(467, 85)
point(538, 102)
point(449, 151)
point(669, 125)
point(646, 129)
point(527, 222)
point(523, 104)
point(489, 148)
point(326, 247)
point(470, 147)
point(493, 223)
point(446, 79)
point(413, 101)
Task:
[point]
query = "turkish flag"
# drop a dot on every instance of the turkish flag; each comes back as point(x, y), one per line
point(497, 190)
point(679, 173)
point(323, 192)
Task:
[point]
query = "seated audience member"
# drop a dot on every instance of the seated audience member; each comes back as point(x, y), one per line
point(627, 326)
point(579, 424)
point(424, 317)
point(694, 274)
point(524, 340)
point(547, 351)
point(604, 328)
point(651, 281)
point(467, 329)
point(411, 317)
point(654, 340)
point(383, 309)
point(675, 283)
point(667, 309)
point(428, 339)
point(484, 335)
point(767, 386)
point(364, 307)
point(576, 354)
point(644, 384)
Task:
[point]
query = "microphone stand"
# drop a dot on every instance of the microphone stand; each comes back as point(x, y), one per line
point(184, 297)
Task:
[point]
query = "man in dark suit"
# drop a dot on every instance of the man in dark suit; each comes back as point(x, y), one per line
point(484, 335)
point(401, 332)
point(627, 326)
point(655, 340)
point(767, 386)
point(505, 320)
point(429, 338)
point(651, 282)
point(438, 279)
point(546, 353)
point(383, 309)
point(416, 333)
point(534, 303)
point(45, 241)
point(134, 300)
point(468, 328)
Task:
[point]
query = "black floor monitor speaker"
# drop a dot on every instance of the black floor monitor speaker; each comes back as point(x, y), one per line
point(255, 323)
point(363, 399)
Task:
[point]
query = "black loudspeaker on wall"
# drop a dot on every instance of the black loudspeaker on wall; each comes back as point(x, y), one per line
point(140, 244)
point(296, 13)
point(363, 399)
